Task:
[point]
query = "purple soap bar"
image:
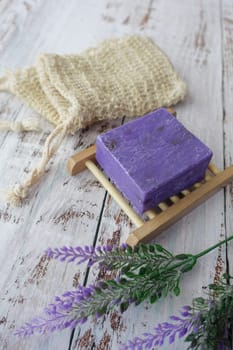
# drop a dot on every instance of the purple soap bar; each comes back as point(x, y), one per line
point(152, 158)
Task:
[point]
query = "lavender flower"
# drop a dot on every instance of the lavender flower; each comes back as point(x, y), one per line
point(144, 272)
point(88, 253)
point(62, 313)
point(207, 324)
point(74, 307)
point(179, 327)
point(58, 316)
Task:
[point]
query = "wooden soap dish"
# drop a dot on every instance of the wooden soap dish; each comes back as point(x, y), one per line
point(154, 221)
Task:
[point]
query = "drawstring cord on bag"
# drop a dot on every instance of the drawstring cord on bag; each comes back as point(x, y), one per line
point(16, 195)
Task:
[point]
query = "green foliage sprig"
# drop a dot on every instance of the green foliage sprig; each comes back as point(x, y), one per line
point(144, 272)
point(206, 325)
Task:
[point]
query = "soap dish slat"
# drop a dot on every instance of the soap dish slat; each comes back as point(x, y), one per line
point(164, 215)
point(160, 218)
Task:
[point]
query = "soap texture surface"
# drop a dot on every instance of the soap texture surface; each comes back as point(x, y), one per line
point(152, 158)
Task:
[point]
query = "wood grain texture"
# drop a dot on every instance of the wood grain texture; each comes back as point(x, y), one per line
point(68, 210)
point(77, 163)
point(227, 35)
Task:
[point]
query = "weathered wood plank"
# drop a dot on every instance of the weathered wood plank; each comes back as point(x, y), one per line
point(227, 27)
point(63, 210)
point(185, 32)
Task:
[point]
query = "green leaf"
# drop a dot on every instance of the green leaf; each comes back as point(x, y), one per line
point(104, 285)
point(183, 256)
point(137, 302)
point(154, 298)
point(125, 269)
point(155, 274)
point(215, 287)
point(159, 248)
point(123, 281)
point(188, 266)
point(98, 290)
point(124, 306)
point(142, 251)
point(142, 271)
point(144, 247)
point(103, 310)
point(176, 290)
point(189, 337)
point(151, 248)
point(226, 276)
point(131, 274)
point(129, 249)
point(145, 270)
point(139, 295)
point(199, 302)
point(112, 283)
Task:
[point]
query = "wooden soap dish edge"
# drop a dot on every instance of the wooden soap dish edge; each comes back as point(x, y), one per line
point(147, 230)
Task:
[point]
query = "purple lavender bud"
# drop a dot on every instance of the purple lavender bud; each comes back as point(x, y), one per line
point(58, 298)
point(66, 294)
point(79, 298)
point(160, 343)
point(187, 308)
point(49, 253)
point(92, 287)
point(83, 320)
point(51, 310)
point(67, 324)
point(90, 263)
point(185, 314)
point(64, 248)
point(73, 324)
point(165, 324)
point(183, 332)
point(92, 249)
point(175, 318)
point(79, 250)
point(172, 338)
point(69, 260)
point(87, 292)
point(67, 305)
point(123, 246)
point(195, 328)
point(108, 248)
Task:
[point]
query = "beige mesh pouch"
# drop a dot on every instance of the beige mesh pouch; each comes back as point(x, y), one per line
point(121, 77)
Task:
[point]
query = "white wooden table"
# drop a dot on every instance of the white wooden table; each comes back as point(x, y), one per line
point(197, 36)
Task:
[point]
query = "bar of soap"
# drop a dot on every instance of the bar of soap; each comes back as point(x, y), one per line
point(152, 158)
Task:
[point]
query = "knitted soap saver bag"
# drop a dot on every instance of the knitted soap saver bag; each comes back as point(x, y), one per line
point(129, 77)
